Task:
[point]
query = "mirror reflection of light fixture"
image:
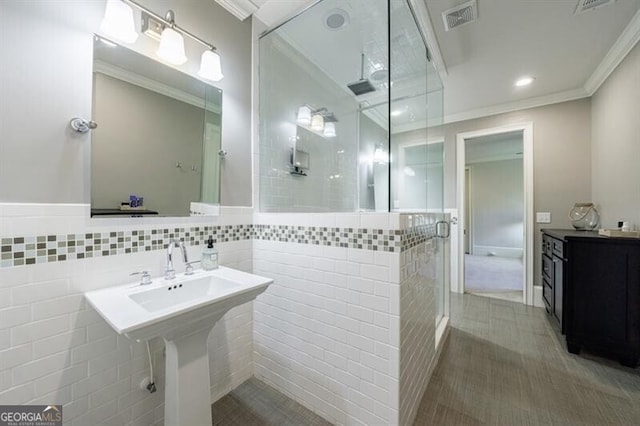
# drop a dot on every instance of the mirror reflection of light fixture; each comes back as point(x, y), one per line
point(118, 22)
point(317, 123)
point(380, 156)
point(320, 121)
point(210, 66)
point(329, 130)
point(304, 116)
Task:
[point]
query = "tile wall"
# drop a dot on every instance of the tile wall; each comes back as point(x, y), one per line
point(54, 349)
point(331, 331)
point(336, 331)
point(417, 325)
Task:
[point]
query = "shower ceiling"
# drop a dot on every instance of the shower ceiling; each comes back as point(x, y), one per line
point(337, 53)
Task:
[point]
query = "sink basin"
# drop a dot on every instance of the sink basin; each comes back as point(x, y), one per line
point(167, 308)
point(182, 292)
point(181, 311)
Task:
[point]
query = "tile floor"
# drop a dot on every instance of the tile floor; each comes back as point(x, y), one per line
point(254, 403)
point(503, 364)
point(506, 364)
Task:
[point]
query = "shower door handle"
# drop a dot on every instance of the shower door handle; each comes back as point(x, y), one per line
point(443, 229)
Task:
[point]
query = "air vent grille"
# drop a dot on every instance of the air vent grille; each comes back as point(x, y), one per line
point(460, 15)
point(586, 5)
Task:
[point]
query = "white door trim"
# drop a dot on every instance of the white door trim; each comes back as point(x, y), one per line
point(527, 163)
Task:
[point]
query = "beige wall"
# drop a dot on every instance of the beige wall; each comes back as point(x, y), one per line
point(615, 127)
point(497, 207)
point(561, 159)
point(137, 153)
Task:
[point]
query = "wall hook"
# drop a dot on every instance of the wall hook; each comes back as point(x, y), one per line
point(80, 125)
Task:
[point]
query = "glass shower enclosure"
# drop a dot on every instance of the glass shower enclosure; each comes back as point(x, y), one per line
point(349, 101)
point(351, 109)
point(350, 120)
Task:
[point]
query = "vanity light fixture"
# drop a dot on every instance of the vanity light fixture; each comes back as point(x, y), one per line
point(304, 116)
point(118, 18)
point(320, 121)
point(329, 130)
point(317, 123)
point(118, 22)
point(210, 66)
point(171, 47)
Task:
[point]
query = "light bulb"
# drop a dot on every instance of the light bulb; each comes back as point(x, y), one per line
point(210, 66)
point(304, 116)
point(172, 47)
point(317, 123)
point(329, 130)
point(118, 22)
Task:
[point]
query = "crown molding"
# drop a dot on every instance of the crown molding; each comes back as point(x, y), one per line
point(554, 98)
point(241, 9)
point(620, 49)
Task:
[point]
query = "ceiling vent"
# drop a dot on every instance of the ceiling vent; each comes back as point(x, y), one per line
point(586, 5)
point(460, 15)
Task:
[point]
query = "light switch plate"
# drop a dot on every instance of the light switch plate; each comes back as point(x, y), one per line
point(543, 217)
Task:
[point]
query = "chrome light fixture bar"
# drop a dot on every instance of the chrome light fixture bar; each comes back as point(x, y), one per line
point(169, 21)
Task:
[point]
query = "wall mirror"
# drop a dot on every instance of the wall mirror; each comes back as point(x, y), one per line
point(156, 148)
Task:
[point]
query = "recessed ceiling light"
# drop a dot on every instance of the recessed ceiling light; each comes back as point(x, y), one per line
point(524, 81)
point(396, 112)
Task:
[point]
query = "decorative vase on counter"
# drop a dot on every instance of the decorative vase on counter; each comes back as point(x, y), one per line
point(584, 216)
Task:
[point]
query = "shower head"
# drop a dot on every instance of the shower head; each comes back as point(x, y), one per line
point(363, 85)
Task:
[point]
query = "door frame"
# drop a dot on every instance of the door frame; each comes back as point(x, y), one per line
point(467, 225)
point(527, 164)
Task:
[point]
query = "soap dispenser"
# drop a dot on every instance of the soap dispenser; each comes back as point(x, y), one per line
point(209, 256)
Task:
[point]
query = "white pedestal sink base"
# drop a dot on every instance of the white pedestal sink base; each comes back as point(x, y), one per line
point(181, 311)
point(188, 388)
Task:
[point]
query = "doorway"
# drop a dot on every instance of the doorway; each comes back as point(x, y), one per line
point(495, 201)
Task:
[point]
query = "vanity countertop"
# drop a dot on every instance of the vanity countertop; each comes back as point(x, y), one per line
point(569, 234)
point(564, 233)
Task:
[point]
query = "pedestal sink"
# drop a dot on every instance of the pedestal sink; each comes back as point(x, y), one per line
point(182, 311)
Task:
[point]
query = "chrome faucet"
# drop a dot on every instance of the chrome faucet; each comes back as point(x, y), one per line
point(169, 272)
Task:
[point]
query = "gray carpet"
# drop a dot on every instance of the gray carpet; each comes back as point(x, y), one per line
point(492, 273)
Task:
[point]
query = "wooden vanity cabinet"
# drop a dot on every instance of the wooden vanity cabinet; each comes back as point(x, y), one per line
point(604, 293)
point(599, 304)
point(553, 279)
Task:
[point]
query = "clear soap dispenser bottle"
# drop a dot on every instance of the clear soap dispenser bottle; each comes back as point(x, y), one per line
point(209, 256)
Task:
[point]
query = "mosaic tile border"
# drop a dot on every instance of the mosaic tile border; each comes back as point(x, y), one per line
point(358, 238)
point(417, 235)
point(24, 251)
point(20, 251)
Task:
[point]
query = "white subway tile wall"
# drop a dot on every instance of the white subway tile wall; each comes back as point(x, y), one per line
point(333, 332)
point(417, 326)
point(54, 349)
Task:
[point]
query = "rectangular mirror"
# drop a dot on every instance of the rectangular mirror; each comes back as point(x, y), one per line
point(156, 148)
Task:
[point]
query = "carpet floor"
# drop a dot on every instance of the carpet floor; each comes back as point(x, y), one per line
point(493, 273)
